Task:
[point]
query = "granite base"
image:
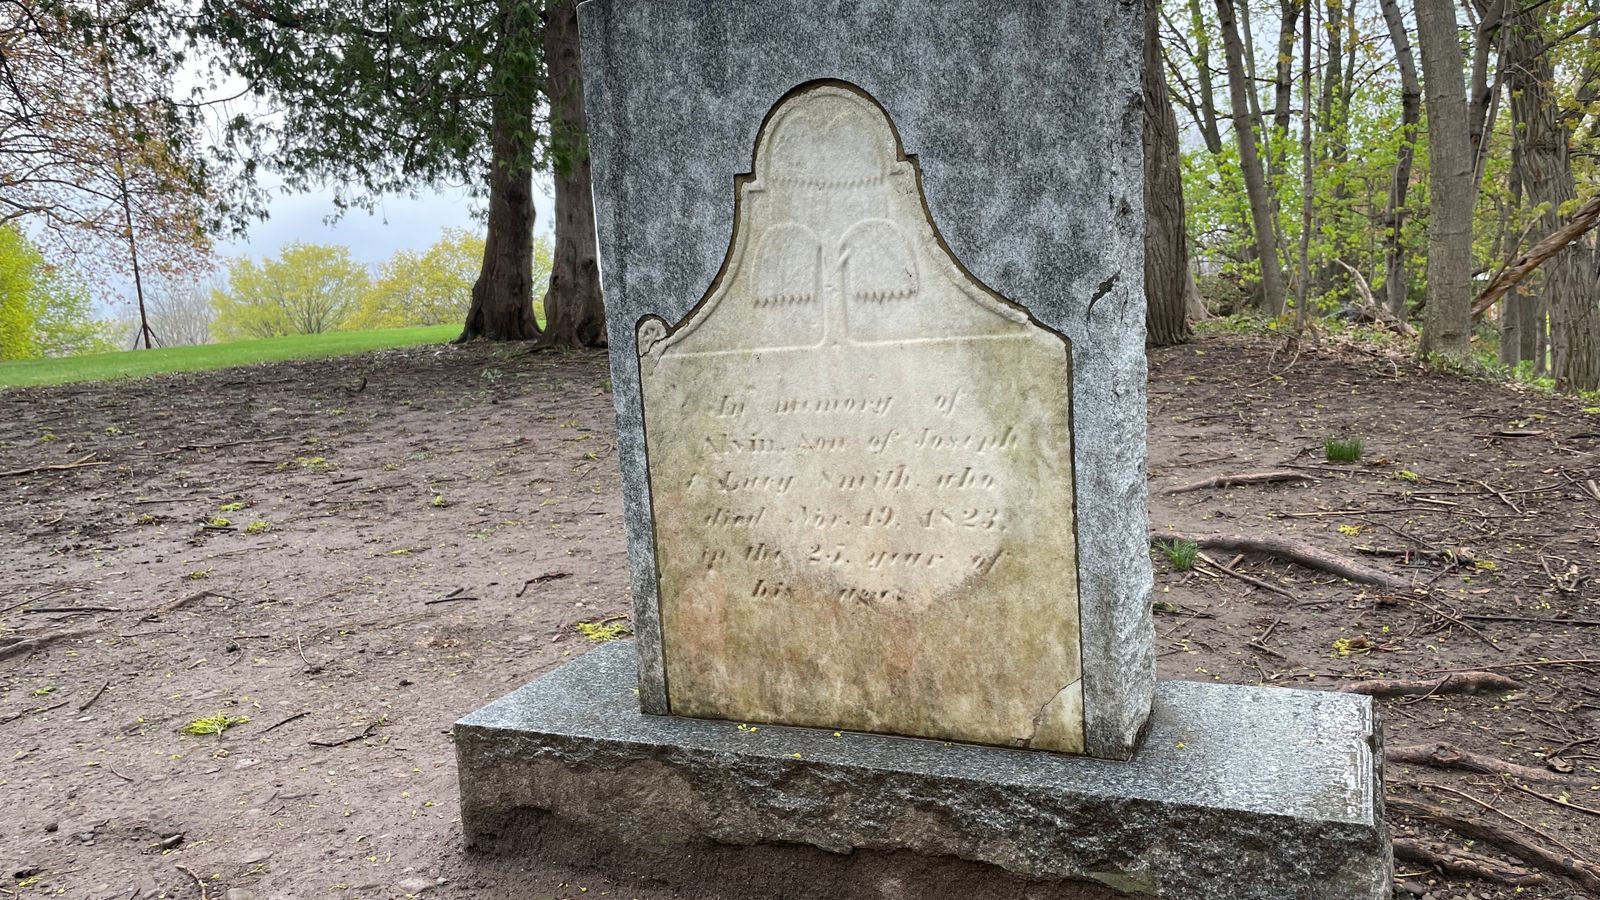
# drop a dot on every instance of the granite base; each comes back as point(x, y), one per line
point(1237, 793)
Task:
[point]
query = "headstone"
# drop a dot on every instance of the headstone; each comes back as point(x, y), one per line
point(860, 463)
point(805, 208)
point(873, 274)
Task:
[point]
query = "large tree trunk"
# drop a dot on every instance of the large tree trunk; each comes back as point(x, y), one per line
point(502, 297)
point(1302, 313)
point(1395, 283)
point(1447, 327)
point(1547, 177)
point(1240, 88)
point(1202, 63)
point(574, 313)
point(1166, 246)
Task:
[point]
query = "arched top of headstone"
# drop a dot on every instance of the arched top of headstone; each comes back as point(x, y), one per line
point(833, 245)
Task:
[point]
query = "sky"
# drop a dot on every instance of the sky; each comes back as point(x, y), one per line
point(397, 223)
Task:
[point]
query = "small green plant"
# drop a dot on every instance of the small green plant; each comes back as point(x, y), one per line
point(605, 629)
point(113, 430)
point(148, 519)
point(216, 724)
point(1345, 450)
point(44, 691)
point(438, 501)
point(48, 437)
point(1407, 475)
point(198, 575)
point(1180, 554)
point(231, 507)
point(218, 522)
point(313, 463)
point(258, 527)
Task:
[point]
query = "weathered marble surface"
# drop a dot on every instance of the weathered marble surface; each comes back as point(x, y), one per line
point(1240, 793)
point(860, 464)
point(1024, 119)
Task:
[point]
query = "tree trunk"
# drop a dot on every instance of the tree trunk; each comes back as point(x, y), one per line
point(1569, 291)
point(1202, 63)
point(1447, 327)
point(574, 313)
point(1307, 187)
point(1283, 75)
point(1166, 246)
point(502, 297)
point(1395, 283)
point(1239, 91)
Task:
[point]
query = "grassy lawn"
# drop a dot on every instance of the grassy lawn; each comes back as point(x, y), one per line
point(135, 363)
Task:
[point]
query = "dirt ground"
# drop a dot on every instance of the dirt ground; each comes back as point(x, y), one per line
point(439, 520)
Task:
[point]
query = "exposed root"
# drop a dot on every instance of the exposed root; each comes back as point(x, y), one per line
point(1584, 873)
point(1293, 551)
point(1454, 683)
point(1270, 477)
point(1449, 756)
point(1455, 861)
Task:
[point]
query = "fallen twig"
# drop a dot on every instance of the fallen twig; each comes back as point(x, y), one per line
point(1565, 804)
point(70, 609)
point(282, 722)
point(1539, 620)
point(365, 733)
point(450, 599)
point(58, 467)
point(184, 602)
point(1270, 477)
point(541, 579)
point(1449, 756)
point(1455, 861)
point(33, 712)
point(90, 702)
point(1454, 683)
point(204, 895)
point(20, 645)
point(1291, 550)
point(1585, 873)
point(1250, 579)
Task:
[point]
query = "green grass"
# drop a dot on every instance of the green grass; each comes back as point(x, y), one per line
point(137, 363)
point(1180, 554)
point(1346, 450)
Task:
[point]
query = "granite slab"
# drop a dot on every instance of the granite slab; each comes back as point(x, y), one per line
point(1239, 793)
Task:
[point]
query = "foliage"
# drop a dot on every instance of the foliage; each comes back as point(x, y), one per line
point(433, 287)
point(1357, 143)
point(214, 724)
point(104, 366)
point(41, 312)
point(92, 144)
point(1347, 449)
point(377, 96)
point(605, 630)
point(1180, 554)
point(306, 289)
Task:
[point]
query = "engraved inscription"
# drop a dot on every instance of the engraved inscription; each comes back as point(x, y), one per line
point(860, 464)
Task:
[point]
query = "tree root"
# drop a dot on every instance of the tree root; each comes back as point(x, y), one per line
point(1449, 756)
point(1294, 551)
point(1584, 873)
point(1455, 861)
point(26, 645)
point(1270, 477)
point(1454, 683)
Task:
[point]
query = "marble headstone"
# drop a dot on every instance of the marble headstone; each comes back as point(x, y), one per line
point(876, 325)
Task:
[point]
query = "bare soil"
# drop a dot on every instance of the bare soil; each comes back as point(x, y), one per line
point(439, 520)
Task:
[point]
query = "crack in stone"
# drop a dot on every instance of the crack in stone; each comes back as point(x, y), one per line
point(1034, 733)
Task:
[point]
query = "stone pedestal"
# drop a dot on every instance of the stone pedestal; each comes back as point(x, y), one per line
point(1237, 793)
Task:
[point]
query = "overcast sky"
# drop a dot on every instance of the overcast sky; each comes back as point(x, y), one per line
point(397, 223)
